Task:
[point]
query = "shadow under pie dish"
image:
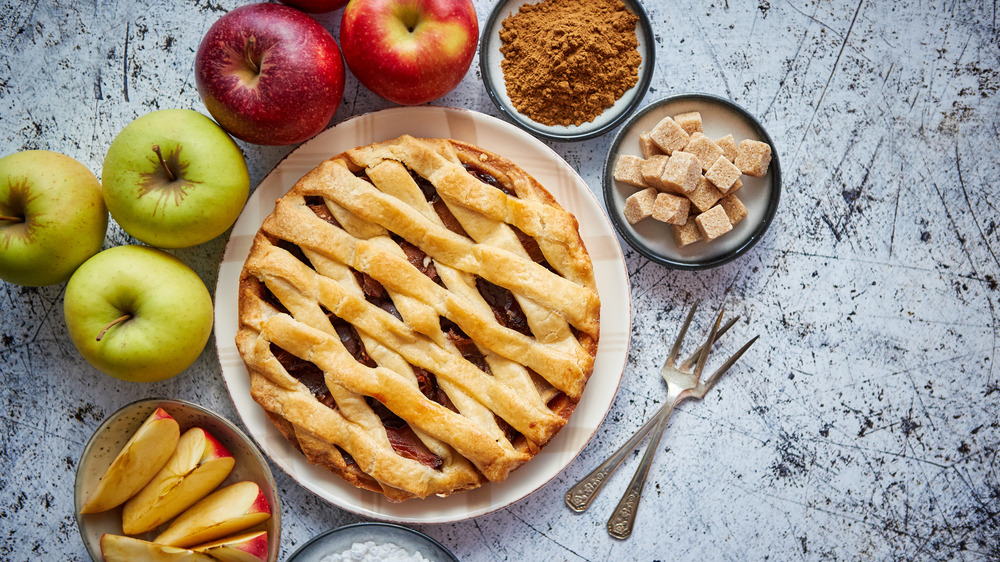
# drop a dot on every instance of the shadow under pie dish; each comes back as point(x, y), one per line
point(418, 316)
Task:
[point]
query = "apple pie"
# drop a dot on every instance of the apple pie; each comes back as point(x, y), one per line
point(418, 316)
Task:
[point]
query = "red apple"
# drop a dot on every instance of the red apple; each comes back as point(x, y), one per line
point(269, 74)
point(316, 6)
point(409, 51)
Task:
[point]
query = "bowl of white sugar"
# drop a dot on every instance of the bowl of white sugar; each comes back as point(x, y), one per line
point(372, 542)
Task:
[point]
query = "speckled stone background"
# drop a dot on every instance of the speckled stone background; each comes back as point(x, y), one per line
point(863, 424)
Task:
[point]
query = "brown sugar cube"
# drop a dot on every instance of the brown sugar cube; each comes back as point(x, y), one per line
point(686, 233)
point(671, 209)
point(690, 122)
point(753, 157)
point(723, 174)
point(639, 205)
point(669, 136)
point(728, 146)
point(628, 169)
point(736, 187)
point(652, 169)
point(734, 208)
point(704, 148)
point(647, 147)
point(704, 195)
point(682, 173)
point(713, 223)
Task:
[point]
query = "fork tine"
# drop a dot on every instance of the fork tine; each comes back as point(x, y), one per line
point(729, 363)
point(680, 337)
point(690, 361)
point(708, 345)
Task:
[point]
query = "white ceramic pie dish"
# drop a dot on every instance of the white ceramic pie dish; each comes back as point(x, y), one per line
point(572, 193)
point(109, 438)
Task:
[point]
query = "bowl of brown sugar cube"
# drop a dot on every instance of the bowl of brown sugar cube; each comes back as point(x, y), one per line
point(692, 181)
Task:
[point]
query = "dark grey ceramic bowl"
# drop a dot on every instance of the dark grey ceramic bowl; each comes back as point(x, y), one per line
point(339, 540)
point(654, 239)
point(489, 65)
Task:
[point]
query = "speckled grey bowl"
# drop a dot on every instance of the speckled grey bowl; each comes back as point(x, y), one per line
point(496, 86)
point(339, 540)
point(109, 438)
point(654, 239)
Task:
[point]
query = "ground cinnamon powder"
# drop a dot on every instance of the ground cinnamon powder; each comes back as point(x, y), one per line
point(566, 61)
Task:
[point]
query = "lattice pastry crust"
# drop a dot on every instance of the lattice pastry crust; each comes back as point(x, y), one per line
point(418, 316)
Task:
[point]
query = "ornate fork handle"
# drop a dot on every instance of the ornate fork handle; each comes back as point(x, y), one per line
point(579, 497)
point(623, 518)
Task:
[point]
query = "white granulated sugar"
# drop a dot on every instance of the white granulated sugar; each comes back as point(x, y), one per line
point(371, 551)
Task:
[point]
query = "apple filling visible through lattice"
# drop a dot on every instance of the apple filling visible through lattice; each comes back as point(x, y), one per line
point(418, 316)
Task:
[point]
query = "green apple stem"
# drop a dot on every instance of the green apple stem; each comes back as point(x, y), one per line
point(156, 149)
point(15, 219)
point(114, 322)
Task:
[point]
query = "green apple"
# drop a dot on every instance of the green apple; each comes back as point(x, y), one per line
point(138, 313)
point(173, 179)
point(52, 217)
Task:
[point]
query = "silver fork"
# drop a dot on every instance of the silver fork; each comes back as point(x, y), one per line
point(681, 384)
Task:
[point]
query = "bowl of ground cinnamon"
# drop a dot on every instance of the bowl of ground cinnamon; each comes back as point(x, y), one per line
point(567, 69)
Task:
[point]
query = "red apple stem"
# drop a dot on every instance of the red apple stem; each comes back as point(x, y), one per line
point(15, 219)
point(156, 149)
point(114, 322)
point(248, 54)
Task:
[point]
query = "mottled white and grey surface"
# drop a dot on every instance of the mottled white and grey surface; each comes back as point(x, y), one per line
point(863, 424)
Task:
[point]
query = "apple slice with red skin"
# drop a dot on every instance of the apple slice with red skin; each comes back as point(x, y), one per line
point(248, 547)
point(137, 463)
point(116, 548)
point(199, 464)
point(227, 511)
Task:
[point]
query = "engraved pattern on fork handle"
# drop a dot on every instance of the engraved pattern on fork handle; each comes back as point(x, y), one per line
point(623, 519)
point(580, 496)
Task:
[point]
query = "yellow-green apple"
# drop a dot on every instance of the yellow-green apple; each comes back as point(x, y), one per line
point(138, 313)
point(52, 217)
point(269, 74)
point(136, 464)
point(116, 548)
point(316, 6)
point(227, 511)
point(172, 179)
point(248, 547)
point(199, 464)
point(409, 51)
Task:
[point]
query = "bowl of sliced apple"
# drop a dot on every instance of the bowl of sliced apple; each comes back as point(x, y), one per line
point(168, 479)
